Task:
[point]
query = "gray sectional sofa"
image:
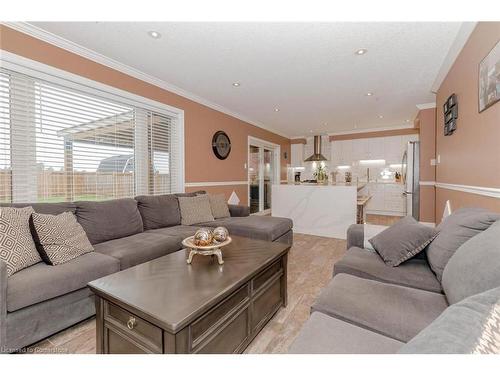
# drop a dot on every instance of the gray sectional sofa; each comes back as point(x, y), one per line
point(41, 300)
point(443, 301)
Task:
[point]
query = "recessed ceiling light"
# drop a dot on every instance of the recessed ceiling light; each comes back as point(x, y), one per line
point(236, 84)
point(369, 94)
point(325, 124)
point(276, 109)
point(407, 120)
point(361, 51)
point(310, 131)
point(380, 116)
point(154, 34)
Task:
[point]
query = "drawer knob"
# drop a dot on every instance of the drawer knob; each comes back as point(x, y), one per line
point(132, 323)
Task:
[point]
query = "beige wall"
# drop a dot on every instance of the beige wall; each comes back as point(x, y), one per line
point(426, 123)
point(471, 156)
point(200, 124)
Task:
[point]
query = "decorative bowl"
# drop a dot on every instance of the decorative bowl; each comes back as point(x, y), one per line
point(189, 243)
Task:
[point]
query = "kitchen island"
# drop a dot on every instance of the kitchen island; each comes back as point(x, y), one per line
point(321, 210)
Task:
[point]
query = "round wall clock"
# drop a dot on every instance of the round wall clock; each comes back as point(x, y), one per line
point(221, 145)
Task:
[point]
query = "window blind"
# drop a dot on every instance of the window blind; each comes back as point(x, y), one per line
point(5, 168)
point(62, 144)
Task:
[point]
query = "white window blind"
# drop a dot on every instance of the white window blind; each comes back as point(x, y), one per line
point(62, 144)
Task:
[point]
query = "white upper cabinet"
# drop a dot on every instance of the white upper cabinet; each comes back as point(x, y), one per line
point(346, 156)
point(361, 149)
point(341, 152)
point(376, 148)
point(297, 155)
point(393, 149)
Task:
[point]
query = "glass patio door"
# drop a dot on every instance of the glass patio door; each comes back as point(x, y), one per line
point(261, 176)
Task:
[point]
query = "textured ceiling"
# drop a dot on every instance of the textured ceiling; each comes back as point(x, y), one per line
point(307, 70)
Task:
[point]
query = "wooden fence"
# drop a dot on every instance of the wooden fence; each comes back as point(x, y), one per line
point(54, 186)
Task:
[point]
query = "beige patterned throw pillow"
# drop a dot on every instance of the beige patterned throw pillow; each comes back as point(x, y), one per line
point(17, 248)
point(60, 238)
point(195, 210)
point(219, 206)
point(489, 341)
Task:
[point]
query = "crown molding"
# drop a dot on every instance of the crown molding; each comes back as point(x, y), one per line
point(426, 106)
point(38, 33)
point(462, 36)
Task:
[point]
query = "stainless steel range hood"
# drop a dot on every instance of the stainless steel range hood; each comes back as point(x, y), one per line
point(317, 150)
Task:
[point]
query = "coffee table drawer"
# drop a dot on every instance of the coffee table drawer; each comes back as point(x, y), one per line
point(261, 279)
point(118, 343)
point(267, 303)
point(217, 315)
point(141, 330)
point(230, 337)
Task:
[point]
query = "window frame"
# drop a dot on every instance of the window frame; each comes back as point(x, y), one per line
point(69, 80)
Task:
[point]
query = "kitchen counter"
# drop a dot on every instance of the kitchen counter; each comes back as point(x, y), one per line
point(321, 210)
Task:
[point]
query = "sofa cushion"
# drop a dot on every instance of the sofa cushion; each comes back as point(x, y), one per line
point(236, 210)
point(469, 326)
point(195, 210)
point(17, 248)
point(139, 248)
point(180, 232)
point(391, 310)
point(42, 282)
point(475, 266)
point(59, 238)
point(265, 228)
point(159, 211)
point(45, 208)
point(323, 334)
point(414, 273)
point(455, 230)
point(107, 220)
point(219, 206)
point(402, 240)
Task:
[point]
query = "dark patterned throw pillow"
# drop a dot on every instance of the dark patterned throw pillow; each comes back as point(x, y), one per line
point(17, 248)
point(59, 238)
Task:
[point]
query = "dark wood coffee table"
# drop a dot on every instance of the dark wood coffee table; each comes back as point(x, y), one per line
point(168, 306)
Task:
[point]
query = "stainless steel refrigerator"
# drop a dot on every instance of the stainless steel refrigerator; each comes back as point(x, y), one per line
point(411, 177)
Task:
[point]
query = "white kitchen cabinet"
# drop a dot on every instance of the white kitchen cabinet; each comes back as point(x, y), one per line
point(376, 148)
point(386, 199)
point(376, 191)
point(297, 155)
point(341, 152)
point(361, 149)
point(346, 152)
point(393, 149)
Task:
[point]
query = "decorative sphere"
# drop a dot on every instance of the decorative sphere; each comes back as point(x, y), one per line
point(220, 234)
point(203, 237)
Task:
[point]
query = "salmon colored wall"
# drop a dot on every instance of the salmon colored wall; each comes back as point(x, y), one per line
point(200, 122)
point(426, 123)
point(471, 156)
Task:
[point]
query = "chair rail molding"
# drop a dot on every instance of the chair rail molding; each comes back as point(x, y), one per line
point(427, 183)
point(479, 190)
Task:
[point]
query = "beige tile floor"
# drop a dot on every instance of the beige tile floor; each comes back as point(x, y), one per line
point(310, 266)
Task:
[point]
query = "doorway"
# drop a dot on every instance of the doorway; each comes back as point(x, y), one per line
point(263, 172)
